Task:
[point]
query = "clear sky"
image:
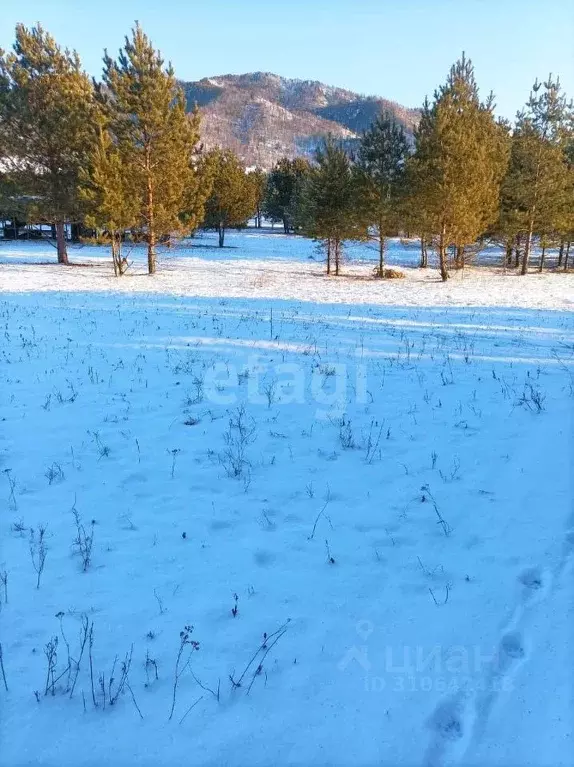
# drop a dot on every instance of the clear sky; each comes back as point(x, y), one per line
point(399, 49)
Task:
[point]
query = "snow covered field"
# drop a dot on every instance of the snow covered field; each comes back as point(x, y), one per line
point(359, 497)
point(262, 265)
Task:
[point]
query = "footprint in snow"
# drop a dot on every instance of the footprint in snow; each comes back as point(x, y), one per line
point(451, 725)
point(534, 582)
point(511, 649)
point(263, 558)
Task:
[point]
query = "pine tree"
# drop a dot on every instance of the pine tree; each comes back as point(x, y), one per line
point(232, 201)
point(566, 215)
point(110, 195)
point(460, 158)
point(381, 165)
point(329, 203)
point(412, 214)
point(157, 141)
point(536, 184)
point(6, 191)
point(283, 183)
point(47, 116)
point(9, 193)
point(258, 178)
point(506, 230)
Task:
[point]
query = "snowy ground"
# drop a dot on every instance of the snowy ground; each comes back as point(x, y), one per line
point(380, 473)
point(263, 265)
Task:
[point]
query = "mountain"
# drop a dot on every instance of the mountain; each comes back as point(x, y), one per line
point(263, 117)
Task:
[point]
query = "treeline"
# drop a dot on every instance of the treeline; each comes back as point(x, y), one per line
point(469, 179)
point(121, 157)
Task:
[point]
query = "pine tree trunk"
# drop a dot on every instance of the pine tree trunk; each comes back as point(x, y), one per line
point(122, 262)
point(561, 253)
point(61, 243)
point(381, 251)
point(531, 214)
point(337, 256)
point(459, 257)
point(508, 256)
point(221, 231)
point(442, 254)
point(424, 256)
point(329, 256)
point(542, 255)
point(115, 259)
point(527, 247)
point(517, 252)
point(286, 226)
point(151, 256)
point(566, 255)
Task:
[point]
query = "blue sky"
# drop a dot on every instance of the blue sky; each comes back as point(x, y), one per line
point(399, 49)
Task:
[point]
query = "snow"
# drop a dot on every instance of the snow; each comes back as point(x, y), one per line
point(417, 434)
point(275, 266)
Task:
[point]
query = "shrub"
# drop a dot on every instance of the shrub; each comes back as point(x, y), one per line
point(389, 274)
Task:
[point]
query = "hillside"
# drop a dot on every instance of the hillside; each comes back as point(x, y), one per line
point(263, 117)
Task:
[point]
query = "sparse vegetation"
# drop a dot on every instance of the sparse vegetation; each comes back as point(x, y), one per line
point(381, 435)
point(38, 551)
